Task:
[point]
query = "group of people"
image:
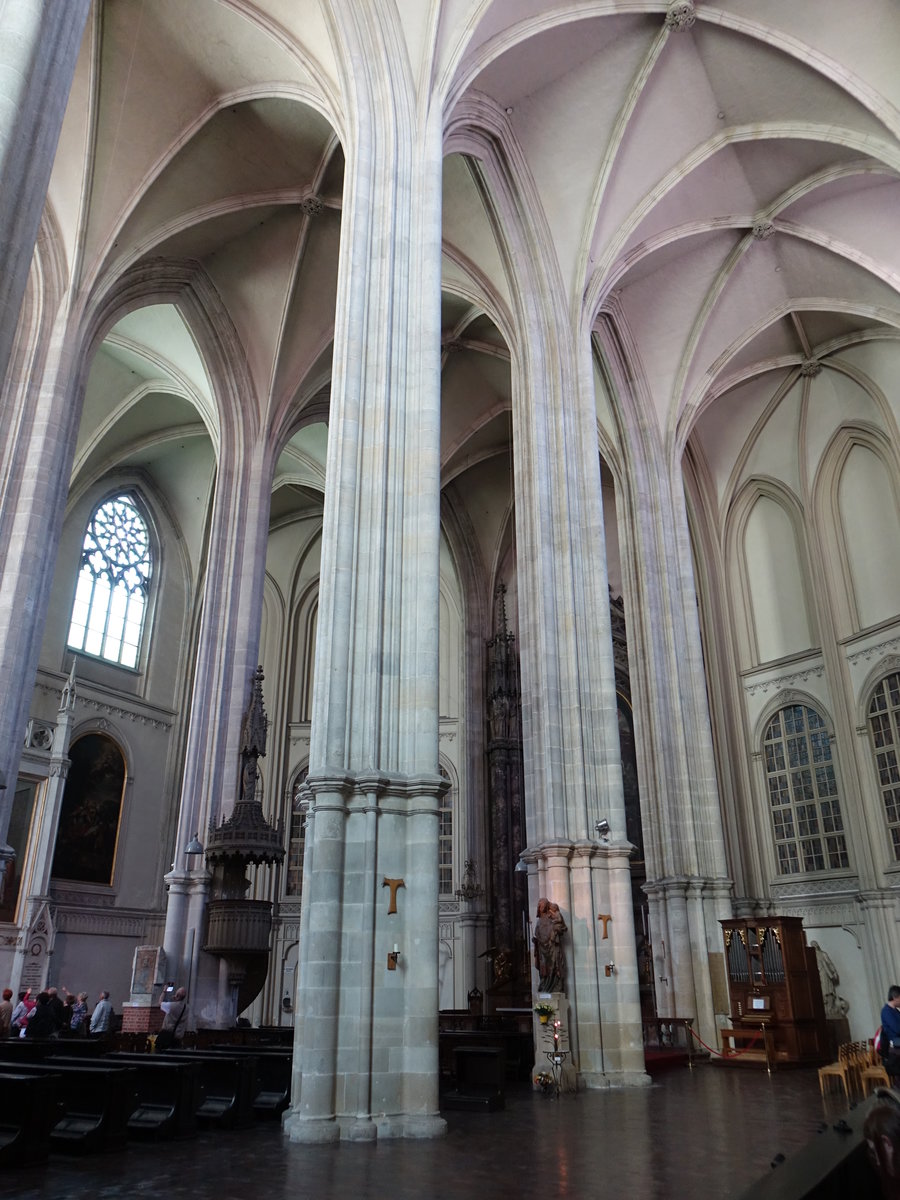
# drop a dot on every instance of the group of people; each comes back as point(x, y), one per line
point(53, 1012)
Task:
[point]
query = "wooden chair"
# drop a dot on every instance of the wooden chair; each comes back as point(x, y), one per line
point(844, 1070)
point(873, 1074)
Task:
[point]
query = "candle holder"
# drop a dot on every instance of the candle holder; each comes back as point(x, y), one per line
point(556, 1058)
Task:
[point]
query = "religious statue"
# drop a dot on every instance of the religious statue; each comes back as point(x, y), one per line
point(835, 1006)
point(549, 957)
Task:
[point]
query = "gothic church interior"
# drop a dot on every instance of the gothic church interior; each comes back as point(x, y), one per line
point(515, 381)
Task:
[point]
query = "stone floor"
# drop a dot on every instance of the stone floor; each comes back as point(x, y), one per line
point(706, 1133)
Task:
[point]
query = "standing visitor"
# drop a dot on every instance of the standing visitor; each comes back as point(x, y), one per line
point(102, 1015)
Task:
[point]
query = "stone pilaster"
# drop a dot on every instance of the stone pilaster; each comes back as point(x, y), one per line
point(225, 661)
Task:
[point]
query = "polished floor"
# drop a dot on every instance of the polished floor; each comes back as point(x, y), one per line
point(706, 1133)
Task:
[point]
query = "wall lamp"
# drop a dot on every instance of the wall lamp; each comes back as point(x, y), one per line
point(602, 829)
point(393, 958)
point(193, 846)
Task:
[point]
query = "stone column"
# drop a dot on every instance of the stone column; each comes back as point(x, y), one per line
point(35, 465)
point(684, 838)
point(39, 44)
point(573, 770)
point(367, 1056)
point(226, 659)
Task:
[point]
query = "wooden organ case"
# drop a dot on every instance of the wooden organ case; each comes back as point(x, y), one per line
point(774, 986)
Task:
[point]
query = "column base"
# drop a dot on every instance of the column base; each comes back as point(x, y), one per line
point(358, 1129)
point(407, 1125)
point(320, 1131)
point(596, 1080)
point(312, 1131)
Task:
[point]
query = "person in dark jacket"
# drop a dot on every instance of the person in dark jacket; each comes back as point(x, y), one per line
point(890, 1032)
point(42, 1022)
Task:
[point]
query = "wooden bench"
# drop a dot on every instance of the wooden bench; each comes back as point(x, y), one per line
point(169, 1095)
point(97, 1099)
point(225, 1085)
point(272, 1080)
point(29, 1108)
point(739, 1044)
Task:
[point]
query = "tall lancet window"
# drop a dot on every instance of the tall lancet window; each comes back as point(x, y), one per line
point(113, 583)
point(884, 724)
point(803, 793)
point(445, 838)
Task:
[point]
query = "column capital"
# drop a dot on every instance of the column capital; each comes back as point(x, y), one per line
point(869, 900)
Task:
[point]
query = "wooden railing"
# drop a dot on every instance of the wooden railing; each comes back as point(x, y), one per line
point(671, 1033)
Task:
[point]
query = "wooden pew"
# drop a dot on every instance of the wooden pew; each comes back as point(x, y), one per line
point(169, 1095)
point(833, 1166)
point(225, 1084)
point(272, 1081)
point(29, 1108)
point(97, 1100)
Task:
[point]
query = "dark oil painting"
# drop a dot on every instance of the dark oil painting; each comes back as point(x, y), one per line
point(91, 806)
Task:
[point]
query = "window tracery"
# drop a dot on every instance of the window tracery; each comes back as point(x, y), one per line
point(445, 838)
point(803, 793)
point(113, 583)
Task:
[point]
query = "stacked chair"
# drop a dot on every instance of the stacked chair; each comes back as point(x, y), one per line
point(858, 1070)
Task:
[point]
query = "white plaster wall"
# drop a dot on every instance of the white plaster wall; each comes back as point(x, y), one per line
point(775, 582)
point(871, 535)
point(841, 945)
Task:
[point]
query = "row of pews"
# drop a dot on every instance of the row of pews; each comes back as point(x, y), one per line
point(83, 1096)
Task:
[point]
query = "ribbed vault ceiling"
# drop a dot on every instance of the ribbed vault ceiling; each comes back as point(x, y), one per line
point(725, 194)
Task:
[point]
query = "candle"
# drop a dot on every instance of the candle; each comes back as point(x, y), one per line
point(395, 947)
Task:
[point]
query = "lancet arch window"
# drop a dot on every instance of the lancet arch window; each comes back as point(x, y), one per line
point(111, 595)
point(445, 836)
point(297, 839)
point(803, 794)
point(884, 726)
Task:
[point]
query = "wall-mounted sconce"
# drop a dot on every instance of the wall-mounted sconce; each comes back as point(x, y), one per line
point(602, 830)
point(610, 969)
point(521, 865)
point(393, 958)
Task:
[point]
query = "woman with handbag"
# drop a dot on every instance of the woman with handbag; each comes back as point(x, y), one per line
point(174, 1022)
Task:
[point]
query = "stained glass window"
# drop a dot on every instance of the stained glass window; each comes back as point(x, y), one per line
point(884, 726)
point(803, 794)
point(111, 594)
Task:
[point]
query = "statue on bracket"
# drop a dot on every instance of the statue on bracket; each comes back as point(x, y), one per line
point(549, 956)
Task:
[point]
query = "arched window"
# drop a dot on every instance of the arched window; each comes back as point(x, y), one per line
point(445, 839)
point(297, 843)
point(803, 796)
point(111, 595)
point(884, 724)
